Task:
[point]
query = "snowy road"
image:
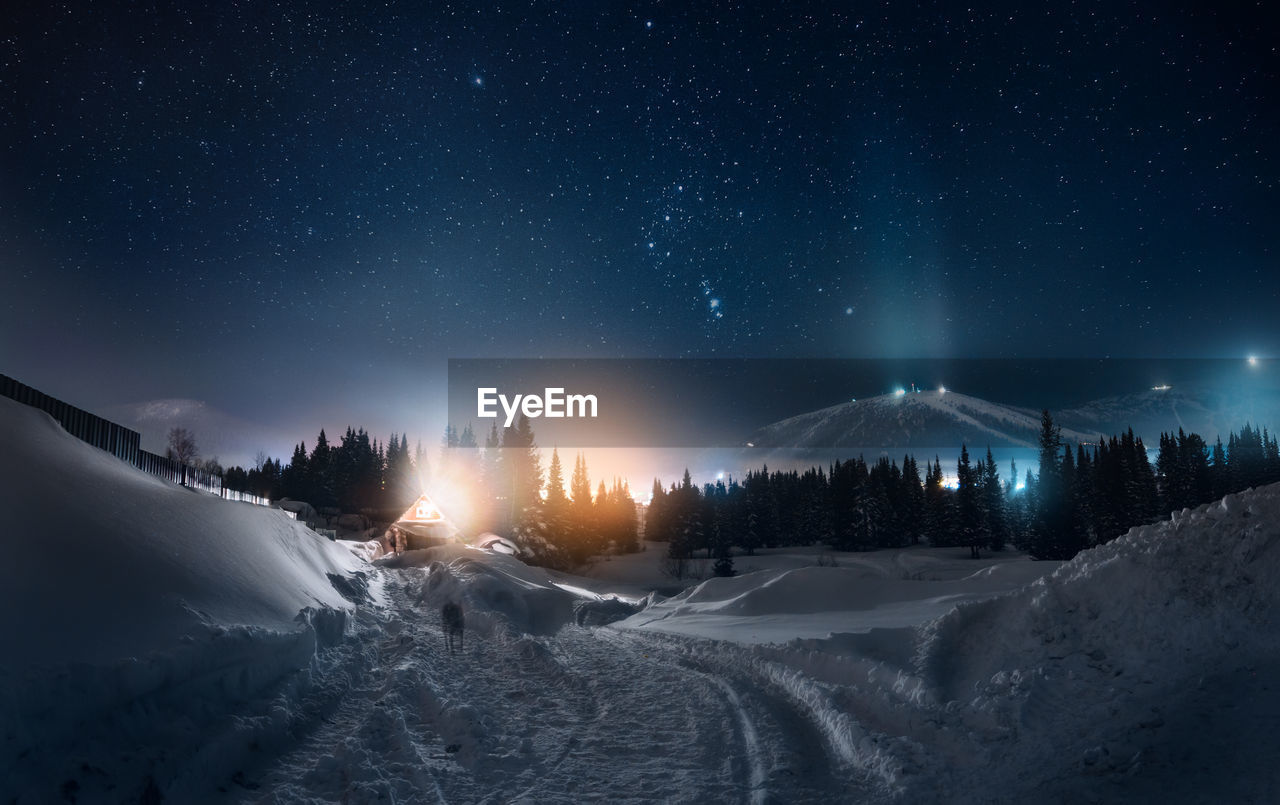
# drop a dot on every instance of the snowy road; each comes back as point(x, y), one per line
point(589, 714)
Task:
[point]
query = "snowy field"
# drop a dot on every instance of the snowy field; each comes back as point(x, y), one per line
point(164, 646)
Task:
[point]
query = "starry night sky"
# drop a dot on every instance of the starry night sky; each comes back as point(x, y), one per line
point(297, 213)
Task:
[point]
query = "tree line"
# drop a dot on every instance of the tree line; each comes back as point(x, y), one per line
point(554, 527)
point(501, 488)
point(1084, 495)
point(1081, 497)
point(356, 474)
point(565, 529)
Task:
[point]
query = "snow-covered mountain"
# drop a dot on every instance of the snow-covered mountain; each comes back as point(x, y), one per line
point(1196, 409)
point(936, 418)
point(913, 419)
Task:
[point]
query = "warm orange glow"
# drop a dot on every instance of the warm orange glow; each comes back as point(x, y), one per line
point(451, 486)
point(424, 510)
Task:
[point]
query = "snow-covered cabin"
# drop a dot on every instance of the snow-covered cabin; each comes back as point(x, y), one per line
point(425, 526)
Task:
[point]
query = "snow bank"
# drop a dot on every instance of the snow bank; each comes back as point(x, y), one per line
point(1145, 662)
point(498, 592)
point(1143, 670)
point(130, 602)
point(815, 602)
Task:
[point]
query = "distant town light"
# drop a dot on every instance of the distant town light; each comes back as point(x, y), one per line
point(942, 389)
point(1253, 360)
point(1161, 387)
point(899, 392)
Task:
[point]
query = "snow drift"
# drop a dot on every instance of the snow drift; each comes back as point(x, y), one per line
point(1142, 670)
point(776, 606)
point(153, 639)
point(1146, 664)
point(500, 594)
point(129, 606)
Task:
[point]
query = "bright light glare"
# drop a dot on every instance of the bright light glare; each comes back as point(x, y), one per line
point(899, 392)
point(1253, 360)
point(942, 389)
point(451, 495)
point(719, 476)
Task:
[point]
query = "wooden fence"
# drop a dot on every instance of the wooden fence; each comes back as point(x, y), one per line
point(179, 473)
point(115, 439)
point(121, 442)
point(248, 497)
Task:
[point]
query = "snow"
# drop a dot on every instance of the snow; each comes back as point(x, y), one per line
point(925, 419)
point(1142, 670)
point(758, 607)
point(117, 586)
point(1195, 408)
point(1129, 661)
point(138, 562)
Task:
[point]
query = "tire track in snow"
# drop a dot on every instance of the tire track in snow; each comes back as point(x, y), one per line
point(589, 714)
point(331, 759)
point(796, 754)
point(818, 750)
point(750, 739)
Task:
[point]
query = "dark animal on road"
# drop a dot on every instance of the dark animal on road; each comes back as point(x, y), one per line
point(451, 617)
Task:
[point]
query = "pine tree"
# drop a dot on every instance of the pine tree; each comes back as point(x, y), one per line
point(1070, 532)
point(523, 466)
point(657, 527)
point(512, 461)
point(619, 518)
point(1218, 476)
point(1144, 494)
point(913, 518)
point(493, 481)
point(969, 523)
point(1015, 510)
point(586, 536)
point(687, 526)
point(558, 530)
point(1051, 519)
point(555, 481)
point(400, 485)
point(993, 508)
point(296, 478)
point(1082, 500)
point(720, 540)
point(321, 469)
point(938, 522)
